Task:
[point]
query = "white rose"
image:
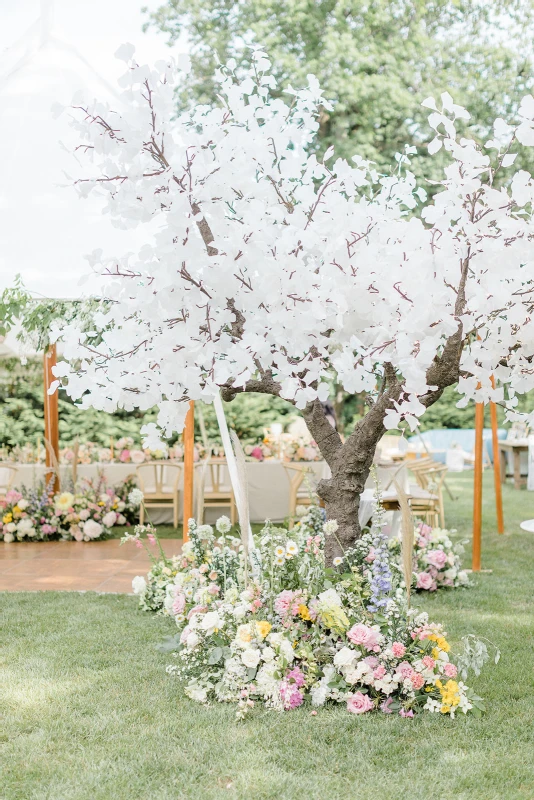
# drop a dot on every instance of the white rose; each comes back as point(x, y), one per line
point(22, 504)
point(109, 519)
point(139, 584)
point(239, 612)
point(210, 621)
point(11, 527)
point(25, 526)
point(268, 654)
point(8, 537)
point(197, 693)
point(344, 657)
point(192, 640)
point(251, 658)
point(121, 520)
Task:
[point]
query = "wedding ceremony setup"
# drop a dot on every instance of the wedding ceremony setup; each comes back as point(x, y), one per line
point(267, 401)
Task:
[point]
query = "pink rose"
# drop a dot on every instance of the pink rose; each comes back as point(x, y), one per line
point(424, 581)
point(359, 703)
point(363, 635)
point(398, 649)
point(450, 670)
point(436, 558)
point(124, 456)
point(213, 589)
point(179, 604)
point(185, 633)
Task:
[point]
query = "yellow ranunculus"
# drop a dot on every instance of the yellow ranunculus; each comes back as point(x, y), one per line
point(7, 518)
point(304, 612)
point(263, 627)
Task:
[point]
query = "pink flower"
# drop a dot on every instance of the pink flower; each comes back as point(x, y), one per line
point(417, 680)
point(359, 703)
point(257, 453)
point(77, 533)
point(407, 714)
point(139, 544)
point(398, 649)
point(178, 605)
point(424, 581)
point(436, 558)
point(372, 661)
point(295, 676)
point(405, 669)
point(429, 662)
point(213, 589)
point(290, 694)
point(363, 635)
point(197, 610)
point(151, 538)
point(288, 602)
point(370, 557)
point(124, 456)
point(385, 706)
point(379, 672)
point(450, 670)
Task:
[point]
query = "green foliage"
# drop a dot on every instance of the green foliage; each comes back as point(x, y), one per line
point(22, 416)
point(376, 61)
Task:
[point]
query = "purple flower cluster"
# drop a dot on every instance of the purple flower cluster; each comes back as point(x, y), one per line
point(380, 570)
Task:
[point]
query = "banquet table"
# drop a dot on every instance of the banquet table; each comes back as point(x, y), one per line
point(268, 485)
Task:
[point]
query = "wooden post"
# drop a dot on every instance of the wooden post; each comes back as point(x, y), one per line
point(496, 464)
point(51, 415)
point(189, 446)
point(477, 493)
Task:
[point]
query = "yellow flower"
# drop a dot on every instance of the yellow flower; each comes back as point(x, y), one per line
point(304, 612)
point(7, 518)
point(445, 709)
point(16, 510)
point(450, 695)
point(443, 644)
point(63, 501)
point(335, 618)
point(263, 627)
point(243, 634)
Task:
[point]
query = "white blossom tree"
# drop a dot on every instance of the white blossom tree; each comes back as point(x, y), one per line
point(271, 272)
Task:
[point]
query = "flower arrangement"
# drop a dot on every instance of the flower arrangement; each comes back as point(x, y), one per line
point(283, 630)
point(83, 514)
point(437, 559)
point(285, 447)
point(122, 451)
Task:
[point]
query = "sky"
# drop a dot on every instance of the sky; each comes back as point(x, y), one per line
point(49, 49)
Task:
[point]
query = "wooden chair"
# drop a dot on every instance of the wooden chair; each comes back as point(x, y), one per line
point(301, 493)
point(430, 477)
point(220, 494)
point(7, 476)
point(159, 480)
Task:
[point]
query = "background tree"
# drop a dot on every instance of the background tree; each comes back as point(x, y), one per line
point(376, 62)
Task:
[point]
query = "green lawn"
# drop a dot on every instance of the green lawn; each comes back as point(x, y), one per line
point(89, 713)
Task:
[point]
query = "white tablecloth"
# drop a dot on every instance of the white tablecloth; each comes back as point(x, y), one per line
point(268, 485)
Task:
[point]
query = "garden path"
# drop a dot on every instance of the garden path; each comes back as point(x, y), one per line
point(74, 566)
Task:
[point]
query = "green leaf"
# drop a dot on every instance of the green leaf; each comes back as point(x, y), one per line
point(215, 655)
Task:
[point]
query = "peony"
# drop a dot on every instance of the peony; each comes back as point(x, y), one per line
point(22, 504)
point(436, 558)
point(109, 519)
point(364, 635)
point(424, 581)
point(250, 658)
point(139, 584)
point(359, 703)
point(92, 529)
point(137, 456)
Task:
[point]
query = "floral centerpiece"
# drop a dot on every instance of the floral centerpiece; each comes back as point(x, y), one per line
point(284, 630)
point(436, 559)
point(83, 514)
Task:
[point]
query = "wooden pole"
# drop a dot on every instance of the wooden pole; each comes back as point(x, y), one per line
point(477, 493)
point(51, 415)
point(496, 464)
point(189, 446)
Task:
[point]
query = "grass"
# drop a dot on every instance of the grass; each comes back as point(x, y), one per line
point(89, 713)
